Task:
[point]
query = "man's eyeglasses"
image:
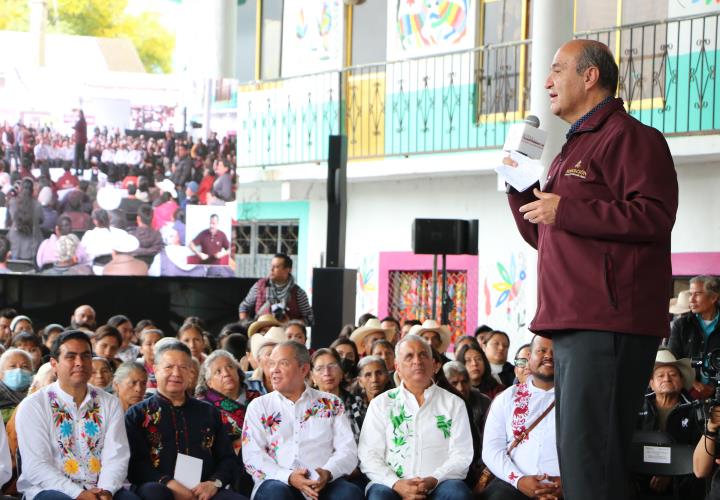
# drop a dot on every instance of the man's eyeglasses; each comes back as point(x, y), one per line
point(521, 362)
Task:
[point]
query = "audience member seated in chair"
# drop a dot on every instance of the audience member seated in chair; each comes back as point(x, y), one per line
point(416, 440)
point(170, 423)
point(666, 409)
point(532, 469)
point(56, 463)
point(297, 440)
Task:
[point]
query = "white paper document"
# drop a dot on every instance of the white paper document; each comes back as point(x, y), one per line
point(656, 454)
point(523, 176)
point(188, 470)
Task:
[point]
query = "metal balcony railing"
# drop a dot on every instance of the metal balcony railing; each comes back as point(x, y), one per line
point(667, 72)
point(449, 102)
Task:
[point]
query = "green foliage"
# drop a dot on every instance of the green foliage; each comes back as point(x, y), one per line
point(99, 18)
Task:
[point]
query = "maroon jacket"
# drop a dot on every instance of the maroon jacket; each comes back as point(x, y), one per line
point(605, 263)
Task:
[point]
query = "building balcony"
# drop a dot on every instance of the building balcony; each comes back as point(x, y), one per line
point(465, 101)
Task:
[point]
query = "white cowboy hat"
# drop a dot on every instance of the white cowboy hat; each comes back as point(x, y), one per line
point(665, 357)
point(167, 186)
point(430, 325)
point(273, 337)
point(260, 323)
point(681, 303)
point(123, 242)
point(108, 198)
point(371, 326)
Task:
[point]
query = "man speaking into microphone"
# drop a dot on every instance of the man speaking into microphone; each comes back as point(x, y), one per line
point(601, 226)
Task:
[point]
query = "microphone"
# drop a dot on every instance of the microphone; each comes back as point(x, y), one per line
point(526, 138)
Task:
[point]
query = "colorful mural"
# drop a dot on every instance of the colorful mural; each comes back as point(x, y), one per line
point(312, 37)
point(422, 27)
point(366, 300)
point(504, 291)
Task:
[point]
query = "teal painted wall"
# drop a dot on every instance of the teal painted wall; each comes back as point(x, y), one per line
point(275, 210)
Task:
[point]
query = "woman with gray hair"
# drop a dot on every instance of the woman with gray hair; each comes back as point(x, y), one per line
point(16, 372)
point(221, 383)
point(130, 383)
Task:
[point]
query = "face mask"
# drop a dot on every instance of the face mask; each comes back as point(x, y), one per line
point(17, 379)
point(348, 366)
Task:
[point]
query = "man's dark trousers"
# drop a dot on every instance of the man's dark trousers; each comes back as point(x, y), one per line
point(600, 379)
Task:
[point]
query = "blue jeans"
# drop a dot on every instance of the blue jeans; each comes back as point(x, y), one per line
point(122, 494)
point(452, 489)
point(340, 489)
point(157, 491)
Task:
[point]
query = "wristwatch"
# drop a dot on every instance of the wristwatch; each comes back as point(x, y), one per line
point(218, 484)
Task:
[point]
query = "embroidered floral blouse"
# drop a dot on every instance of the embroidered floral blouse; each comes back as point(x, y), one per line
point(68, 448)
point(157, 431)
point(400, 439)
point(511, 413)
point(280, 436)
point(232, 412)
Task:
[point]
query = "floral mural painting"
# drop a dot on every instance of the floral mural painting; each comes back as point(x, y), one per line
point(503, 290)
point(367, 287)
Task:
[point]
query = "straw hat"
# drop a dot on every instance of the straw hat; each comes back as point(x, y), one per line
point(681, 303)
point(260, 323)
point(273, 337)
point(430, 325)
point(372, 326)
point(665, 357)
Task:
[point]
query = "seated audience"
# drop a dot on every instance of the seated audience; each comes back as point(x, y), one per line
point(83, 318)
point(191, 335)
point(171, 422)
point(692, 335)
point(16, 373)
point(127, 351)
point(102, 374)
point(532, 469)
point(667, 409)
point(261, 345)
point(386, 351)
point(369, 333)
point(496, 345)
point(478, 367)
point(123, 263)
point(415, 438)
point(129, 383)
point(66, 259)
point(521, 363)
point(295, 330)
point(106, 343)
point(349, 357)
point(437, 335)
point(151, 241)
point(47, 251)
point(297, 440)
point(458, 377)
point(56, 465)
point(31, 344)
point(373, 379)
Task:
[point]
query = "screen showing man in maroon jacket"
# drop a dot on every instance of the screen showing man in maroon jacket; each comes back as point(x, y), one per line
point(601, 224)
point(211, 246)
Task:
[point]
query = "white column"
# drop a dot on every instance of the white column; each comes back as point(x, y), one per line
point(38, 14)
point(552, 26)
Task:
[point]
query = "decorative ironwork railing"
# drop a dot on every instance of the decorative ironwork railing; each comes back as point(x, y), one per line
point(668, 72)
point(449, 102)
point(466, 100)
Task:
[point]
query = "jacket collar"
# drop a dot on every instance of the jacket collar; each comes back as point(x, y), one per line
point(599, 116)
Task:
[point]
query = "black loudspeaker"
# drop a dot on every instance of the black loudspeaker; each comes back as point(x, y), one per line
point(445, 236)
point(333, 303)
point(337, 201)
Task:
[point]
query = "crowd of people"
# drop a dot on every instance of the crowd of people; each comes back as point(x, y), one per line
point(384, 411)
point(74, 203)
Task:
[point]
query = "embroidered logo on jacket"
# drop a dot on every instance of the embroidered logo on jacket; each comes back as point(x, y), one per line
point(577, 171)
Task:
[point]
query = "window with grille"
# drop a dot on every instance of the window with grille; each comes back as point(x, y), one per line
point(256, 242)
point(410, 297)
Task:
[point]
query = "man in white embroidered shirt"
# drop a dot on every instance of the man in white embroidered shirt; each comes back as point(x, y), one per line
point(531, 470)
point(415, 440)
point(71, 436)
point(297, 441)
